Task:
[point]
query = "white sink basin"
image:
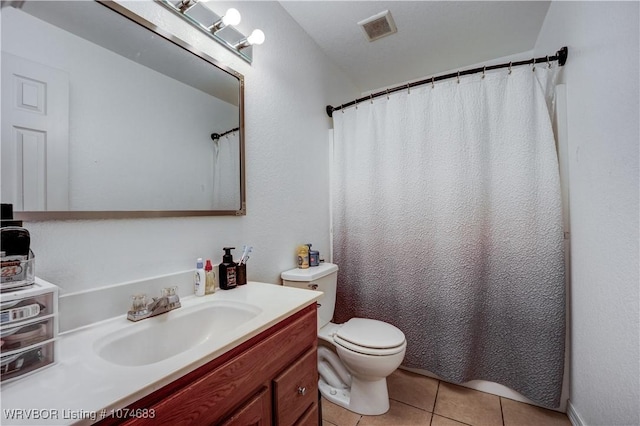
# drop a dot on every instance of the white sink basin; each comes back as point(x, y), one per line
point(155, 339)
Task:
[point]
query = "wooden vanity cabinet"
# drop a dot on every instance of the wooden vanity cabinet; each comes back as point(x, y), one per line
point(272, 379)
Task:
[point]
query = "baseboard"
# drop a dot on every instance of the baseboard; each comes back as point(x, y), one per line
point(573, 415)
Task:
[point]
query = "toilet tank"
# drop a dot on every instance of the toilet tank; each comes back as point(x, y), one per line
point(323, 278)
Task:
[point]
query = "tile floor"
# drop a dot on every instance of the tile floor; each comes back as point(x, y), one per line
point(417, 400)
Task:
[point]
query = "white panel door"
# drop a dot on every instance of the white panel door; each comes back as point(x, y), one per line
point(35, 135)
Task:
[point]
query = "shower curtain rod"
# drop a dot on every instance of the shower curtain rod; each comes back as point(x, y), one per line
point(216, 136)
point(560, 56)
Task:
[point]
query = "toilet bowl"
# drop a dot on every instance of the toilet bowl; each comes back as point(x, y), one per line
point(366, 350)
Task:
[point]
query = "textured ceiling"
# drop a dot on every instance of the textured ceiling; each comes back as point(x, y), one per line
point(432, 37)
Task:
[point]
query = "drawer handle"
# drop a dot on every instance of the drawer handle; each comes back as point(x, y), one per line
point(301, 390)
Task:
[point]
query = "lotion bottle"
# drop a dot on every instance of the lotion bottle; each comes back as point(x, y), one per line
point(227, 270)
point(210, 278)
point(199, 278)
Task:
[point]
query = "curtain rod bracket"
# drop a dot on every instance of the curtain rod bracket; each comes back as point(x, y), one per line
point(562, 55)
point(329, 110)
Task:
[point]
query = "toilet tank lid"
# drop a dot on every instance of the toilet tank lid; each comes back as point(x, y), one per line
point(310, 274)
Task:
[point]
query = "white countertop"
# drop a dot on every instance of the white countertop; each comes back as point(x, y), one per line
point(82, 386)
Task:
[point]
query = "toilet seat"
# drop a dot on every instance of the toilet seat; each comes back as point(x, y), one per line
point(370, 337)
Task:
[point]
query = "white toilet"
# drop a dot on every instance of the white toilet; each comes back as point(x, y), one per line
point(368, 350)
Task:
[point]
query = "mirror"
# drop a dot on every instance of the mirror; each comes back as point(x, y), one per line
point(108, 116)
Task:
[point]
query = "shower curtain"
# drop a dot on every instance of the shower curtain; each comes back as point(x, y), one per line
point(447, 224)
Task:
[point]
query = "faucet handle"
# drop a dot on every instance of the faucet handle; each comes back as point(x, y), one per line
point(169, 291)
point(171, 295)
point(139, 302)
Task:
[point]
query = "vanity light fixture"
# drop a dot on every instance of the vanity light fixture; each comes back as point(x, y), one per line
point(222, 30)
point(231, 17)
point(255, 39)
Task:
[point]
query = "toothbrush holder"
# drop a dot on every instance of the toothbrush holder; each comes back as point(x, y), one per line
point(241, 274)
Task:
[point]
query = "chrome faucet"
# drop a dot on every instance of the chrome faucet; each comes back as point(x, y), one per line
point(140, 309)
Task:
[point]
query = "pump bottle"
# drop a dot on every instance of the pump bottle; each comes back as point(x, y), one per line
point(199, 278)
point(210, 278)
point(227, 270)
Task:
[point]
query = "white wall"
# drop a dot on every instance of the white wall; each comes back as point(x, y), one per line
point(286, 90)
point(603, 136)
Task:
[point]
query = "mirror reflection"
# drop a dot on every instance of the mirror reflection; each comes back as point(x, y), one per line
point(106, 116)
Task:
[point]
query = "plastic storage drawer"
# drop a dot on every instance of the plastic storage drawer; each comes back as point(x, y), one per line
point(18, 363)
point(26, 309)
point(22, 335)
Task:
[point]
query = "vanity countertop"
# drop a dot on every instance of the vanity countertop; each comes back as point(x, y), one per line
point(81, 388)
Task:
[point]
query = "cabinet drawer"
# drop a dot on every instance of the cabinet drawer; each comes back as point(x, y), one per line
point(296, 388)
point(256, 412)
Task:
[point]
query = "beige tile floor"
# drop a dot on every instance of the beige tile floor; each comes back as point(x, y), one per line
point(417, 400)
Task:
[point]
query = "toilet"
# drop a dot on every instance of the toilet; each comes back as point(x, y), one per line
point(366, 350)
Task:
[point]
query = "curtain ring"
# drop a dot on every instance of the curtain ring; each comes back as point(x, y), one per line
point(408, 89)
point(387, 91)
point(458, 77)
point(356, 101)
point(371, 98)
point(483, 70)
point(548, 63)
point(533, 65)
point(342, 108)
point(432, 85)
point(510, 68)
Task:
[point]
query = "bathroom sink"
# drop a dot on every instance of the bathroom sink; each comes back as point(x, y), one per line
point(158, 338)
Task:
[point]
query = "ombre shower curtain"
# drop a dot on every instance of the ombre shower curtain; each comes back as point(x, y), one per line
point(447, 224)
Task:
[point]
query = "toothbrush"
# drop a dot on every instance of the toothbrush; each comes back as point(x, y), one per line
point(245, 255)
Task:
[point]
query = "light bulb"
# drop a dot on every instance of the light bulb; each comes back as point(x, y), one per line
point(256, 37)
point(231, 17)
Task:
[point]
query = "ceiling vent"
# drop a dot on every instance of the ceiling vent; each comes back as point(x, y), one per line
point(379, 25)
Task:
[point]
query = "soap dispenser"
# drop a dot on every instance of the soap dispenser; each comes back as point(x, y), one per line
point(227, 270)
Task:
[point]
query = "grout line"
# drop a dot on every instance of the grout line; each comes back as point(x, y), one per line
point(441, 415)
point(452, 419)
point(410, 405)
point(435, 400)
point(501, 411)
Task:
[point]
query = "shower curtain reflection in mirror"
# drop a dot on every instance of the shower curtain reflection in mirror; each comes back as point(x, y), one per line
point(226, 172)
